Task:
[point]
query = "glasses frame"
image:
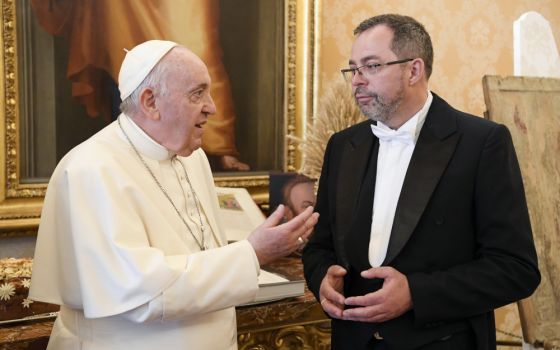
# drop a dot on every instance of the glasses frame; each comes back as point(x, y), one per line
point(370, 66)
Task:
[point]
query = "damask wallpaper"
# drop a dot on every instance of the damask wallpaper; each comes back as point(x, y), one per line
point(471, 39)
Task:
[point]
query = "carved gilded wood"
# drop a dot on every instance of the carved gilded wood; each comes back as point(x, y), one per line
point(20, 203)
point(315, 336)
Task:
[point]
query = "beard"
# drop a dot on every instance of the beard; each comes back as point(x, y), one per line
point(381, 108)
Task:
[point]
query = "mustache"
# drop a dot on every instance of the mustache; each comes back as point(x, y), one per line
point(363, 92)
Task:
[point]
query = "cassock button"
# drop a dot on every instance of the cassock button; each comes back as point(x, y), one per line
point(439, 221)
point(377, 336)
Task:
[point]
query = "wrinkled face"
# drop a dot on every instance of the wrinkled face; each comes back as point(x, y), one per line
point(185, 108)
point(301, 197)
point(378, 96)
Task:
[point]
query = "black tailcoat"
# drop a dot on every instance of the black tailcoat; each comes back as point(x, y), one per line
point(461, 232)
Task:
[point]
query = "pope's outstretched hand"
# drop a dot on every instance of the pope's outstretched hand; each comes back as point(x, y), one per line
point(273, 240)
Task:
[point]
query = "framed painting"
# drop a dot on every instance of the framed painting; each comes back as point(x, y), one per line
point(265, 47)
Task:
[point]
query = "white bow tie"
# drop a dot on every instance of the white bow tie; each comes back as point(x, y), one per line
point(403, 136)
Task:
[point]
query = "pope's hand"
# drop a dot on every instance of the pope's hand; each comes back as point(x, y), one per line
point(272, 241)
point(391, 301)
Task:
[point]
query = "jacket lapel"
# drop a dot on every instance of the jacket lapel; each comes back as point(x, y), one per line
point(435, 146)
point(359, 153)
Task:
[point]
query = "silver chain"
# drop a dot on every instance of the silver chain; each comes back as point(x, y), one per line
point(200, 243)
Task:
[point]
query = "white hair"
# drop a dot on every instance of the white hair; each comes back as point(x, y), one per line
point(156, 80)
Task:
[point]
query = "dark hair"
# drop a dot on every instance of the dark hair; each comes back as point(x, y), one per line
point(410, 38)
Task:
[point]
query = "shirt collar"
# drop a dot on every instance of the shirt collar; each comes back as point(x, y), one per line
point(142, 141)
point(414, 124)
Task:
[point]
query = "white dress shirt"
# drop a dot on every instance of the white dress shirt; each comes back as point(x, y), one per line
point(395, 151)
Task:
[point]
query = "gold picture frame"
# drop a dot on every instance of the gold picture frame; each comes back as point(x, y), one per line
point(21, 203)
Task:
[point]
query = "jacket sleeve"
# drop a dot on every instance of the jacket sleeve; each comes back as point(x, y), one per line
point(505, 267)
point(319, 253)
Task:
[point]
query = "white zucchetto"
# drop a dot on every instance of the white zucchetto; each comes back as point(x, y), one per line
point(139, 62)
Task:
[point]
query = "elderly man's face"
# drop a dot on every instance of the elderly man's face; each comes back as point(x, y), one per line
point(185, 108)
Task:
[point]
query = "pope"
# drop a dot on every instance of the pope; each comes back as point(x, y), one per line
point(130, 242)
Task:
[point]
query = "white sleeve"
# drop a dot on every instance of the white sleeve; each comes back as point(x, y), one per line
point(212, 280)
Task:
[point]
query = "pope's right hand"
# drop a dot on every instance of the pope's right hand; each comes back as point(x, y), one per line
point(272, 241)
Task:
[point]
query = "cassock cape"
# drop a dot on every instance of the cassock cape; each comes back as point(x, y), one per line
point(112, 251)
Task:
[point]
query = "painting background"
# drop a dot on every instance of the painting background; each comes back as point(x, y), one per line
point(251, 33)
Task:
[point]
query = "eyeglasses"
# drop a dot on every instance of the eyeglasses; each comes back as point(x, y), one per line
point(369, 69)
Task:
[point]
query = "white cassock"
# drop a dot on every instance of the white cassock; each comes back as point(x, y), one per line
point(114, 253)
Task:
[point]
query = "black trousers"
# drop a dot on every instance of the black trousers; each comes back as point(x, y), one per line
point(464, 340)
